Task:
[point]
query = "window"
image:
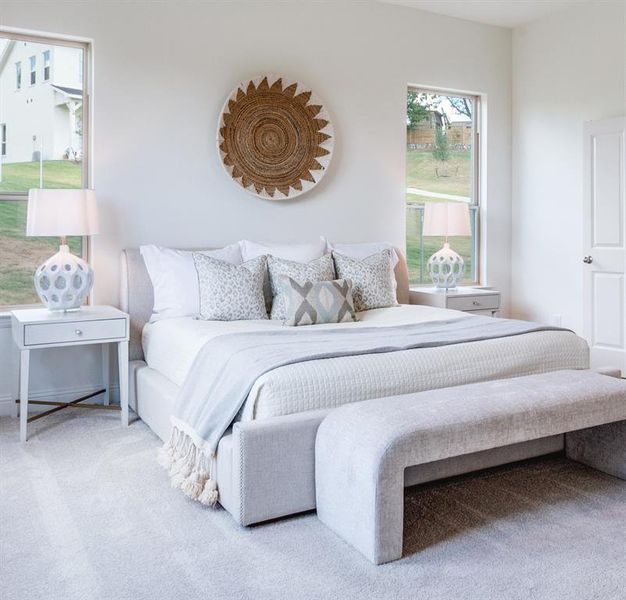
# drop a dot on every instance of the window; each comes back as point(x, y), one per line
point(46, 65)
point(18, 75)
point(33, 70)
point(47, 148)
point(441, 166)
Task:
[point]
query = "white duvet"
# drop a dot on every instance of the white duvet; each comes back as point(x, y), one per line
point(171, 345)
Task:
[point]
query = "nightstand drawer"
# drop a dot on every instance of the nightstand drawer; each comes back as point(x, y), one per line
point(481, 302)
point(78, 331)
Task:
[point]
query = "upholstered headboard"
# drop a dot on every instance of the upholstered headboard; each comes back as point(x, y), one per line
point(137, 299)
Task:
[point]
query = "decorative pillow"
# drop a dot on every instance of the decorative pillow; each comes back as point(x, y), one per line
point(298, 252)
point(373, 279)
point(230, 292)
point(320, 269)
point(313, 303)
point(362, 250)
point(174, 278)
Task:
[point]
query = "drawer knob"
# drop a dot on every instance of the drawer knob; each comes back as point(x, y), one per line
point(476, 303)
point(78, 332)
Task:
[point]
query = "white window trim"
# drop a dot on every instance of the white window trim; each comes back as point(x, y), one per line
point(32, 70)
point(86, 46)
point(48, 65)
point(476, 205)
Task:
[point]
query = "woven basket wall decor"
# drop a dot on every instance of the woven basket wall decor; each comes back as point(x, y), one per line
point(275, 137)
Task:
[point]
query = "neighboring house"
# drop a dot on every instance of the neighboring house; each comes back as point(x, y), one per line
point(41, 102)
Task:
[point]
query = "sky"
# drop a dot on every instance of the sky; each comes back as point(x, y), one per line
point(451, 113)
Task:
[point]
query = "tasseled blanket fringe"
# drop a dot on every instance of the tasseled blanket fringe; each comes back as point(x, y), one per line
point(189, 468)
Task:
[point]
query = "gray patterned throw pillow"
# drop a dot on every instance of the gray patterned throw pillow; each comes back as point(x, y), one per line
point(320, 269)
point(314, 303)
point(230, 292)
point(373, 279)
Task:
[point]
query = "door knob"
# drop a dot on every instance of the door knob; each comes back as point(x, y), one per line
point(588, 260)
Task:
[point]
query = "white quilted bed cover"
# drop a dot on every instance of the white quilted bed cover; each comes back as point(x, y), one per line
point(171, 345)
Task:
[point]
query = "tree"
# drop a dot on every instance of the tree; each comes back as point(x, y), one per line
point(461, 105)
point(417, 109)
point(442, 150)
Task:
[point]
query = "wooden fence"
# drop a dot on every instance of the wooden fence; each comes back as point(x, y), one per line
point(457, 136)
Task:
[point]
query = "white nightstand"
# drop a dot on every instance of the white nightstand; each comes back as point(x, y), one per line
point(39, 328)
point(478, 301)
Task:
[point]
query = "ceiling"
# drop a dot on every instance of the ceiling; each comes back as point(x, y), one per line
point(504, 13)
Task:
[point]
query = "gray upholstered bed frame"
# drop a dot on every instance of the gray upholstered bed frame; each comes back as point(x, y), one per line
point(265, 468)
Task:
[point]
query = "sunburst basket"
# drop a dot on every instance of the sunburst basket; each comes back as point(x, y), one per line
point(275, 137)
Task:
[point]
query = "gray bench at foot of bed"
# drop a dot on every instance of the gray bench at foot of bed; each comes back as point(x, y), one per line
point(363, 449)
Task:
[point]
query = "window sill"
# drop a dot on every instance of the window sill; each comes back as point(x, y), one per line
point(5, 311)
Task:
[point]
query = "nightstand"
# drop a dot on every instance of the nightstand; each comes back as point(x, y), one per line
point(37, 328)
point(478, 301)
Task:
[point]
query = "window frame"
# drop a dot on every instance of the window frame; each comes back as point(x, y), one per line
point(32, 65)
point(45, 59)
point(86, 69)
point(475, 206)
point(3, 139)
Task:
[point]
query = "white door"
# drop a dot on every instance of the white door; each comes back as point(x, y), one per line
point(604, 249)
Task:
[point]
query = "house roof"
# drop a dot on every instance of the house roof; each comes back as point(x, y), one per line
point(68, 90)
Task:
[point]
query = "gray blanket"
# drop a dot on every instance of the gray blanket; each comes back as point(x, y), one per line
point(227, 367)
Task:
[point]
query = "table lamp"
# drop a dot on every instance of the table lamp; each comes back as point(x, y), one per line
point(64, 281)
point(446, 267)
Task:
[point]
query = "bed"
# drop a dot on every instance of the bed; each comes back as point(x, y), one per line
point(265, 462)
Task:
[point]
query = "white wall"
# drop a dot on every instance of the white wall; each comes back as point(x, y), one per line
point(567, 69)
point(163, 70)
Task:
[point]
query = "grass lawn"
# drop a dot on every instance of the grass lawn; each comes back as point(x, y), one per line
point(22, 255)
point(421, 172)
point(20, 177)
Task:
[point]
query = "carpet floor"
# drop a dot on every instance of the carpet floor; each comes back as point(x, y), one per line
point(86, 513)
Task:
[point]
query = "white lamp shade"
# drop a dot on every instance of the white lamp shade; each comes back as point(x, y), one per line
point(446, 219)
point(61, 212)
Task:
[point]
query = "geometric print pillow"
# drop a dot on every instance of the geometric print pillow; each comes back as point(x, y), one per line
point(230, 292)
point(317, 302)
point(320, 269)
point(373, 279)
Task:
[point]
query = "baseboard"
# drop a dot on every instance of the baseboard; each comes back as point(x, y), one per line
point(56, 395)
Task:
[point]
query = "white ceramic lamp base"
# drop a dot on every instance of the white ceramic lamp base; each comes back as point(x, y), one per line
point(446, 268)
point(64, 281)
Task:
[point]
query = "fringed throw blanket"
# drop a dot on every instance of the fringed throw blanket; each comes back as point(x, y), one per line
point(227, 367)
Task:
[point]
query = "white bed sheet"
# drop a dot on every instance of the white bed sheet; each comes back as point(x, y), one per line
point(171, 345)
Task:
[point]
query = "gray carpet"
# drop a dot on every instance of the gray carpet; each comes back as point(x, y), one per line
point(86, 513)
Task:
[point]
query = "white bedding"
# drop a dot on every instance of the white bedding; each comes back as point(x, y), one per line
point(171, 345)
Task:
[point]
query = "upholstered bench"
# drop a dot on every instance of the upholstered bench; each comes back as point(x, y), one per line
point(362, 449)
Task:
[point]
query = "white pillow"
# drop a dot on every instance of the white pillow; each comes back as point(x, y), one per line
point(302, 253)
point(361, 251)
point(175, 279)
